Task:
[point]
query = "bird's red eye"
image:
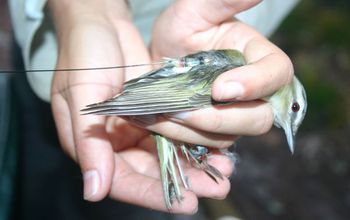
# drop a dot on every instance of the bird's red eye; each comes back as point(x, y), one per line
point(295, 107)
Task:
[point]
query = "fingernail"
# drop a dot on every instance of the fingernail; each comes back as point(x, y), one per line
point(180, 115)
point(91, 184)
point(231, 90)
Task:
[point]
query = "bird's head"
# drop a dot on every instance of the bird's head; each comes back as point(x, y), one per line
point(289, 105)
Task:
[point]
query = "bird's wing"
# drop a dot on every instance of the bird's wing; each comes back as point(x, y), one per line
point(155, 93)
point(133, 104)
point(161, 91)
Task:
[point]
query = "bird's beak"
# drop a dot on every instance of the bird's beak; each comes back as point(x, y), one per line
point(290, 136)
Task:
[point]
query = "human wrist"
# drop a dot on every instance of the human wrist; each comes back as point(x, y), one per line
point(68, 14)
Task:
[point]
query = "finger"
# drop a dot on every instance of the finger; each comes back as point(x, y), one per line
point(204, 186)
point(246, 118)
point(93, 148)
point(225, 164)
point(254, 81)
point(135, 188)
point(147, 164)
point(63, 123)
point(191, 23)
point(94, 152)
point(183, 133)
point(268, 69)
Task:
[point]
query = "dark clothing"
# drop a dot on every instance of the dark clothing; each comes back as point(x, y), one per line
point(8, 147)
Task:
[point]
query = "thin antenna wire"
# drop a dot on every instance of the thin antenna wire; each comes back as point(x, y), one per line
point(81, 69)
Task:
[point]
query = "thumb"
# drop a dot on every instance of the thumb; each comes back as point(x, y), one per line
point(95, 157)
point(212, 12)
point(84, 138)
point(93, 149)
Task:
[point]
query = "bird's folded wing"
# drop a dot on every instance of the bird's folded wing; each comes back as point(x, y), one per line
point(160, 92)
point(147, 100)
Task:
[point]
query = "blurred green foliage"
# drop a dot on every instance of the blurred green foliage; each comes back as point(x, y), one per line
point(318, 23)
point(314, 184)
point(316, 35)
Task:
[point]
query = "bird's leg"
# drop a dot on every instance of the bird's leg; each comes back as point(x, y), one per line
point(199, 154)
point(184, 151)
point(170, 166)
point(167, 154)
point(211, 171)
point(179, 167)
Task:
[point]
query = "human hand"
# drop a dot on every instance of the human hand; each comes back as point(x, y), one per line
point(90, 35)
point(189, 26)
point(116, 158)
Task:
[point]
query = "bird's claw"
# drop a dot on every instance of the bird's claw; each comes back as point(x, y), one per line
point(199, 154)
point(171, 167)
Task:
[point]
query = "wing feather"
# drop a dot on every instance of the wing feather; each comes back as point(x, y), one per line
point(161, 91)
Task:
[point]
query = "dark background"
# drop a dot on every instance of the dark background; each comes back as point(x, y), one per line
point(314, 183)
point(269, 183)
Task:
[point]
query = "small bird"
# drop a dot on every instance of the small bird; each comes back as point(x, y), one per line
point(184, 84)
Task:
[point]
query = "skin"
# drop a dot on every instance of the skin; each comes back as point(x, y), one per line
point(117, 158)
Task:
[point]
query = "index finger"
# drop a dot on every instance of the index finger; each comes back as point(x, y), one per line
point(268, 68)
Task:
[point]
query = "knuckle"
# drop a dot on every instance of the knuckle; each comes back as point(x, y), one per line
point(208, 120)
point(250, 90)
point(216, 123)
point(289, 69)
point(266, 123)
